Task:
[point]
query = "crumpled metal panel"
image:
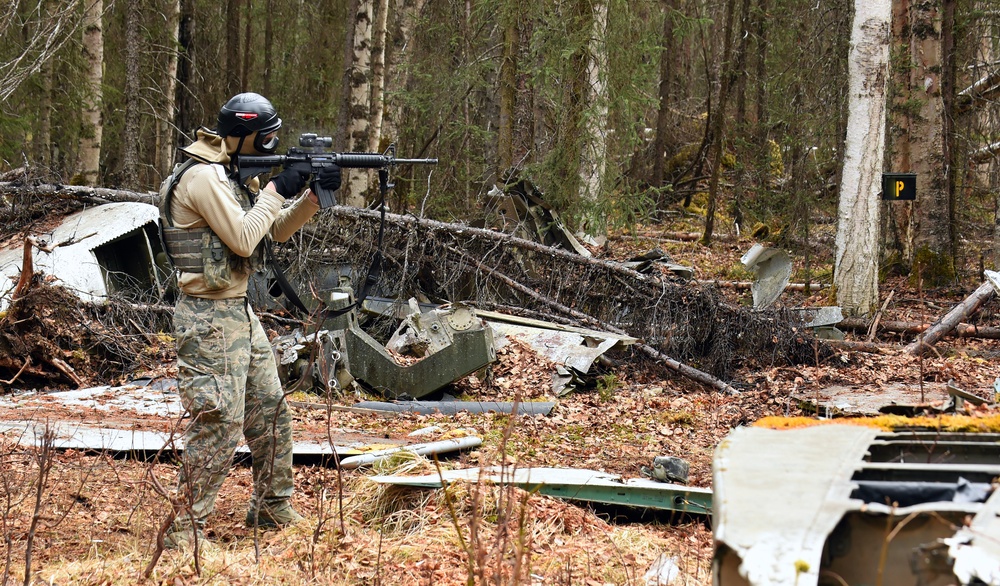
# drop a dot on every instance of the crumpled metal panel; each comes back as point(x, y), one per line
point(74, 264)
point(779, 494)
point(773, 267)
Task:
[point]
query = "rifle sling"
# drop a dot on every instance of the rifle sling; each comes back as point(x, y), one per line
point(374, 272)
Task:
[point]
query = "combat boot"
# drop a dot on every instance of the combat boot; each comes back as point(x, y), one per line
point(183, 538)
point(272, 515)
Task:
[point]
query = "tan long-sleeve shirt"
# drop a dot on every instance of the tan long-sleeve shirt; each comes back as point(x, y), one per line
point(204, 197)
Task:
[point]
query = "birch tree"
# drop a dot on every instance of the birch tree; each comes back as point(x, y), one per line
point(856, 256)
point(165, 125)
point(360, 102)
point(594, 151)
point(93, 52)
point(378, 74)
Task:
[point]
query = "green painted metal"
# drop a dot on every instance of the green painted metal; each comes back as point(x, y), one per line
point(575, 484)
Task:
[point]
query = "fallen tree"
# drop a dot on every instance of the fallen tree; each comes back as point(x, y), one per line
point(950, 321)
point(686, 326)
point(912, 328)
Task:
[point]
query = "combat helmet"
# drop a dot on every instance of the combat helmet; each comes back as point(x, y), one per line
point(247, 113)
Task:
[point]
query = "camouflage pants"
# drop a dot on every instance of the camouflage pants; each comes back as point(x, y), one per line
point(228, 382)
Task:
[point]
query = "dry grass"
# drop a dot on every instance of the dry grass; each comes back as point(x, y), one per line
point(99, 517)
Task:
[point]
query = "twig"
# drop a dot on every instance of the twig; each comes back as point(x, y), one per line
point(878, 316)
point(66, 369)
point(27, 362)
point(43, 456)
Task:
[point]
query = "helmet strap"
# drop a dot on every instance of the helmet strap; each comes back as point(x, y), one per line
point(234, 167)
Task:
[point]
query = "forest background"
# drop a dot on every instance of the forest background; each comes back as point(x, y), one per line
point(616, 110)
point(626, 115)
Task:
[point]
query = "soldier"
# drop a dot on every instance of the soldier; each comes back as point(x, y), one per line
point(214, 231)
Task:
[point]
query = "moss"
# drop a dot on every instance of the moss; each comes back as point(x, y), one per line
point(944, 423)
point(932, 268)
point(683, 157)
point(775, 162)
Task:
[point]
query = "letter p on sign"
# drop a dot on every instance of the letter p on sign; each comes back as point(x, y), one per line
point(899, 186)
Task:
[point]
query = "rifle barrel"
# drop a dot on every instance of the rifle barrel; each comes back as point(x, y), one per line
point(416, 161)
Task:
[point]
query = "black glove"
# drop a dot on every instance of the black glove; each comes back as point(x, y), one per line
point(329, 178)
point(289, 182)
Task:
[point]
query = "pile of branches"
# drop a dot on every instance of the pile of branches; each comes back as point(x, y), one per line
point(51, 339)
point(493, 270)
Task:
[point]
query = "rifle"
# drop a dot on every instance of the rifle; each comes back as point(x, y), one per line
point(310, 158)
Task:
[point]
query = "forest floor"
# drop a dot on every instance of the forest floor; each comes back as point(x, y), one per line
point(77, 518)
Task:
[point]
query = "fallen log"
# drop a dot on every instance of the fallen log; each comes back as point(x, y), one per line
point(493, 236)
point(962, 330)
point(79, 192)
point(950, 321)
point(740, 285)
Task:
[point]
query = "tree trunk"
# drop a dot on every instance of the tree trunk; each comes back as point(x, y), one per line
point(344, 113)
point(899, 214)
point(133, 101)
point(360, 102)
point(856, 255)
point(762, 134)
point(740, 117)
point(269, 9)
point(43, 141)
point(570, 135)
point(186, 120)
point(594, 151)
point(718, 122)
point(167, 133)
point(93, 53)
point(952, 319)
point(507, 90)
point(233, 47)
point(933, 257)
point(247, 47)
point(378, 75)
point(397, 73)
point(663, 93)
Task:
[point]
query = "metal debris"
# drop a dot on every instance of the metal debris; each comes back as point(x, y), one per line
point(895, 397)
point(453, 407)
point(574, 484)
point(773, 267)
point(572, 349)
point(426, 449)
point(456, 343)
point(837, 491)
point(104, 249)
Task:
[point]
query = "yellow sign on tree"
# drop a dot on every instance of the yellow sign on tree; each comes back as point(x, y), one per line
point(899, 186)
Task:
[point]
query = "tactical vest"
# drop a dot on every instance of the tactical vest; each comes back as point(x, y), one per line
point(200, 250)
